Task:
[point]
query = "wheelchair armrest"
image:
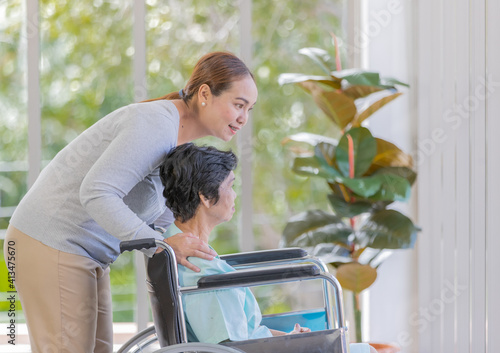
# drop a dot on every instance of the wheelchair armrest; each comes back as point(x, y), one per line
point(264, 256)
point(255, 276)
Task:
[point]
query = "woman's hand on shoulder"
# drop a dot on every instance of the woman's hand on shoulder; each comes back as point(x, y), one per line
point(186, 245)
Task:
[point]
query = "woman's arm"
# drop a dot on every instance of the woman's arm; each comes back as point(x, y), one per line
point(187, 245)
point(184, 244)
point(138, 142)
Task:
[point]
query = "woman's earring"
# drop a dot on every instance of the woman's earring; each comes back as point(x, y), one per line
point(203, 104)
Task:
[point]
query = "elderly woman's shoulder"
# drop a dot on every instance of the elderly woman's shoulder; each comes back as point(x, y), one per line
point(207, 268)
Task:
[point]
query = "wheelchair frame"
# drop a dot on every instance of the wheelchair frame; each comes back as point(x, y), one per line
point(253, 269)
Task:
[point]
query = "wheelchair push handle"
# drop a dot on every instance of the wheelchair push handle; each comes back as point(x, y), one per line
point(137, 244)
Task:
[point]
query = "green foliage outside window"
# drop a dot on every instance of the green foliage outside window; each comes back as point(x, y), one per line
point(86, 72)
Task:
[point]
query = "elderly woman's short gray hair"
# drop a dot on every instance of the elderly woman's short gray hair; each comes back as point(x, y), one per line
point(190, 171)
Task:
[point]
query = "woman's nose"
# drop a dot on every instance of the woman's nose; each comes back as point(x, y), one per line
point(243, 118)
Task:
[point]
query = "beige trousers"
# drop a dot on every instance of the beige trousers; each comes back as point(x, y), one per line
point(66, 298)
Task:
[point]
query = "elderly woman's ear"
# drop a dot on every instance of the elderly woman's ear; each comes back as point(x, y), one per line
point(206, 202)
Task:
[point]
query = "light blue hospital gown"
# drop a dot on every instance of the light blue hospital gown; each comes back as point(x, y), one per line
point(222, 314)
point(217, 315)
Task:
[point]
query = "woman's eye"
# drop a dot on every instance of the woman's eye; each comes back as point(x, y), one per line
point(239, 106)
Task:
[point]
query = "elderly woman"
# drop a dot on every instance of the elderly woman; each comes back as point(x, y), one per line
point(199, 190)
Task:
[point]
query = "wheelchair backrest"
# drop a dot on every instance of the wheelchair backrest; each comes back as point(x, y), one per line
point(162, 288)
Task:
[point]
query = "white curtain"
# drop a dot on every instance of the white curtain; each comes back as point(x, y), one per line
point(458, 76)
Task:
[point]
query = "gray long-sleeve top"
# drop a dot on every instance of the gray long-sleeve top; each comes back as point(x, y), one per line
point(104, 187)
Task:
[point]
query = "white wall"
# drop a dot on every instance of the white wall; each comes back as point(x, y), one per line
point(449, 51)
point(459, 99)
point(393, 298)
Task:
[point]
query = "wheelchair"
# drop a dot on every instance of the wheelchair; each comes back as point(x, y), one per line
point(168, 335)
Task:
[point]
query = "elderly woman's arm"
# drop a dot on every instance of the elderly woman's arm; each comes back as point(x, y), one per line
point(296, 329)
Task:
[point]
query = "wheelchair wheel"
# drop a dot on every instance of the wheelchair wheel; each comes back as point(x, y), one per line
point(145, 341)
point(199, 348)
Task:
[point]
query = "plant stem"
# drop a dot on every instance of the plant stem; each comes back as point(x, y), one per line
point(350, 143)
point(338, 64)
point(357, 316)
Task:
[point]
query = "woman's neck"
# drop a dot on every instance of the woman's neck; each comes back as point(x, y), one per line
point(196, 227)
point(189, 128)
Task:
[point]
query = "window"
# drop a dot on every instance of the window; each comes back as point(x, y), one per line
point(282, 111)
point(13, 122)
point(178, 33)
point(86, 71)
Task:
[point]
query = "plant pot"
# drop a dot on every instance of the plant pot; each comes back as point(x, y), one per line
point(385, 348)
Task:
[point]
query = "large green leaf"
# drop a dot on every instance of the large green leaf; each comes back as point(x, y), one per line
point(365, 149)
point(320, 56)
point(336, 253)
point(392, 188)
point(288, 78)
point(334, 233)
point(311, 166)
point(306, 166)
point(313, 220)
point(389, 155)
point(372, 108)
point(380, 188)
point(360, 91)
point(311, 139)
point(358, 77)
point(355, 276)
point(367, 78)
point(364, 187)
point(337, 106)
point(387, 229)
point(389, 81)
point(348, 209)
point(325, 152)
point(402, 172)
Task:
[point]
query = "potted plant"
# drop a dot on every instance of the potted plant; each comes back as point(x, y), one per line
point(365, 176)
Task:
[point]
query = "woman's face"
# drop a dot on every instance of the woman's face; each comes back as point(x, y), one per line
point(223, 210)
point(226, 114)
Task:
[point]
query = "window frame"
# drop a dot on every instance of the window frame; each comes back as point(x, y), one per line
point(354, 19)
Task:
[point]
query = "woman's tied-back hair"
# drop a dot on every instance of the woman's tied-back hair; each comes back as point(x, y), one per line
point(190, 171)
point(218, 70)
